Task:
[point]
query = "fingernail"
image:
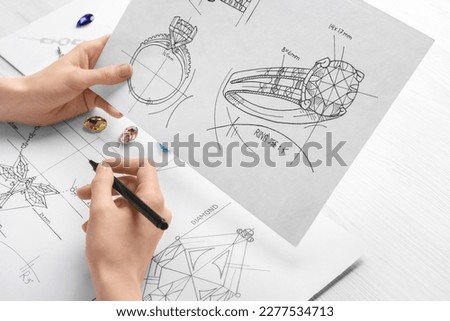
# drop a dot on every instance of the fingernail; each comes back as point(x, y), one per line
point(104, 166)
point(82, 187)
point(125, 71)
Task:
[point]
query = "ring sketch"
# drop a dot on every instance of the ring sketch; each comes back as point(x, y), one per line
point(162, 66)
point(17, 176)
point(263, 105)
point(241, 5)
point(206, 268)
point(244, 8)
point(315, 95)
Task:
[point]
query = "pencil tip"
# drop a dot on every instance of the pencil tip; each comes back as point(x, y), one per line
point(93, 164)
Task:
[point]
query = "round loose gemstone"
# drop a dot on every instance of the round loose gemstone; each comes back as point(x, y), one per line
point(129, 134)
point(95, 124)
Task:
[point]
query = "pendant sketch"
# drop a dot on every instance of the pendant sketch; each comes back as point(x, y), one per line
point(162, 68)
point(22, 193)
point(206, 268)
point(19, 183)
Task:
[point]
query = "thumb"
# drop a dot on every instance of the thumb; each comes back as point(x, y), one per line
point(101, 187)
point(109, 75)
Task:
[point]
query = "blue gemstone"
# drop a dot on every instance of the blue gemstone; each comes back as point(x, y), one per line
point(164, 149)
point(85, 20)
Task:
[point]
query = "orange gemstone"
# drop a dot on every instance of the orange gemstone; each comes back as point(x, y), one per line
point(95, 124)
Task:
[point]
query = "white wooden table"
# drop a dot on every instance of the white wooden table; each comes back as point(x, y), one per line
point(396, 196)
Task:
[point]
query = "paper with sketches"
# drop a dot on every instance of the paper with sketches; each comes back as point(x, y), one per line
point(42, 244)
point(36, 45)
point(213, 250)
point(304, 83)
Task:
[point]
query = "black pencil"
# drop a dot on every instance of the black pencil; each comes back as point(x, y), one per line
point(136, 202)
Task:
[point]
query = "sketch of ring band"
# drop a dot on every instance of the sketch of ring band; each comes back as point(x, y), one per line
point(314, 95)
point(181, 34)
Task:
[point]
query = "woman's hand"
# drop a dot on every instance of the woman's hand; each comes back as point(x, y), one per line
point(61, 91)
point(120, 242)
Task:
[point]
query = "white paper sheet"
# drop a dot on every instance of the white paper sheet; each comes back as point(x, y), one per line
point(42, 244)
point(36, 45)
point(230, 254)
point(302, 82)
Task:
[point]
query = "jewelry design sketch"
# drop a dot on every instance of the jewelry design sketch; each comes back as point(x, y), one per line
point(244, 8)
point(208, 268)
point(315, 95)
point(240, 5)
point(35, 193)
point(174, 44)
point(25, 271)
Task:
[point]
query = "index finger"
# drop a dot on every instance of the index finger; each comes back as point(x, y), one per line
point(128, 166)
point(142, 168)
point(147, 178)
point(101, 186)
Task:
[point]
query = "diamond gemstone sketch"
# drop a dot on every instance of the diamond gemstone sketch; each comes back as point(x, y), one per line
point(205, 268)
